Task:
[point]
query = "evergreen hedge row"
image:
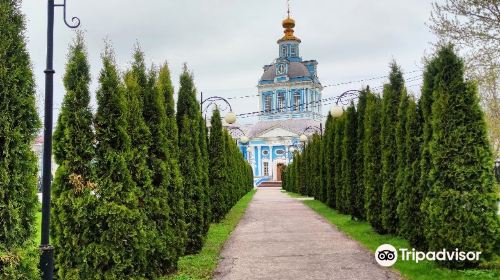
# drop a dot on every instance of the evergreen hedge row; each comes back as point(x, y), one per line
point(420, 169)
point(19, 124)
point(127, 205)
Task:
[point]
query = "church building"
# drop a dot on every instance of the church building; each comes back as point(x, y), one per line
point(289, 105)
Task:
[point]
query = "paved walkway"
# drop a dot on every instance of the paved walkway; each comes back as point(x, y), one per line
point(281, 238)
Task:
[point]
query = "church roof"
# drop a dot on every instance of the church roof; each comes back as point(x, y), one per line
point(295, 70)
point(296, 126)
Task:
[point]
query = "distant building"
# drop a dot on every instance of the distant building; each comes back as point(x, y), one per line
point(289, 101)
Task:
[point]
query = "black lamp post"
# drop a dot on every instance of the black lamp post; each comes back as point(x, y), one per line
point(230, 117)
point(47, 251)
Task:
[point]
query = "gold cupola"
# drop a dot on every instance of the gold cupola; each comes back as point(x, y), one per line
point(288, 23)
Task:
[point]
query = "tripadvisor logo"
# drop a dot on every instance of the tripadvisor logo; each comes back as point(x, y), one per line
point(387, 255)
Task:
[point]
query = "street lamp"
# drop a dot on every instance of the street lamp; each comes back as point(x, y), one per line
point(230, 117)
point(336, 111)
point(238, 132)
point(244, 140)
point(47, 250)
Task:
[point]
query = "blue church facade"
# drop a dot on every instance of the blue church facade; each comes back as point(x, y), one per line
point(289, 102)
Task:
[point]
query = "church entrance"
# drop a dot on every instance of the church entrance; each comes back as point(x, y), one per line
point(279, 171)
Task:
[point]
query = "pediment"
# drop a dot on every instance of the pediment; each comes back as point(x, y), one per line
point(277, 132)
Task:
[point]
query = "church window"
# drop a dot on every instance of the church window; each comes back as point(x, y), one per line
point(266, 168)
point(281, 102)
point(267, 104)
point(283, 51)
point(296, 101)
point(280, 152)
point(265, 152)
point(293, 51)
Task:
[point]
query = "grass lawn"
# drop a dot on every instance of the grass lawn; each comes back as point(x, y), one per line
point(201, 265)
point(291, 194)
point(362, 232)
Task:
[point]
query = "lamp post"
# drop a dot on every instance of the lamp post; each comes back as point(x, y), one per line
point(303, 136)
point(230, 117)
point(238, 132)
point(47, 250)
point(344, 98)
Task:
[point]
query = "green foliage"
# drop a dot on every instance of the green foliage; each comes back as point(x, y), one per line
point(72, 200)
point(19, 124)
point(329, 162)
point(121, 227)
point(195, 187)
point(410, 195)
point(337, 155)
point(175, 185)
point(358, 192)
point(372, 165)
point(460, 208)
point(218, 169)
point(348, 162)
point(390, 102)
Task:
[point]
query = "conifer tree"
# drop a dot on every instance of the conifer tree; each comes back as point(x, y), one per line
point(218, 168)
point(358, 209)
point(390, 102)
point(140, 142)
point(337, 154)
point(401, 156)
point(19, 125)
point(425, 106)
point(175, 186)
point(460, 208)
point(410, 198)
point(74, 153)
point(191, 165)
point(166, 250)
point(329, 160)
point(372, 165)
point(205, 183)
point(348, 160)
point(120, 246)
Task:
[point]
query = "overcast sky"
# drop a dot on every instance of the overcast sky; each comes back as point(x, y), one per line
point(226, 42)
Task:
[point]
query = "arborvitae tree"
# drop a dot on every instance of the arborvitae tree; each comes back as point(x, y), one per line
point(74, 153)
point(460, 209)
point(120, 244)
point(166, 251)
point(372, 165)
point(175, 185)
point(205, 183)
point(152, 200)
point(390, 102)
point(358, 209)
point(348, 160)
point(328, 140)
point(337, 155)
point(322, 169)
point(410, 217)
point(191, 165)
point(401, 156)
point(218, 168)
point(19, 125)
point(425, 106)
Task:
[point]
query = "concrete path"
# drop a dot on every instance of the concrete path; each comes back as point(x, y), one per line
point(281, 238)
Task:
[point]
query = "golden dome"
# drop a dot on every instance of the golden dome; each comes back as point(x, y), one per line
point(288, 24)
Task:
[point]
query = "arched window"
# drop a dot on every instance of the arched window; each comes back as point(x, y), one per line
point(296, 101)
point(267, 103)
point(281, 102)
